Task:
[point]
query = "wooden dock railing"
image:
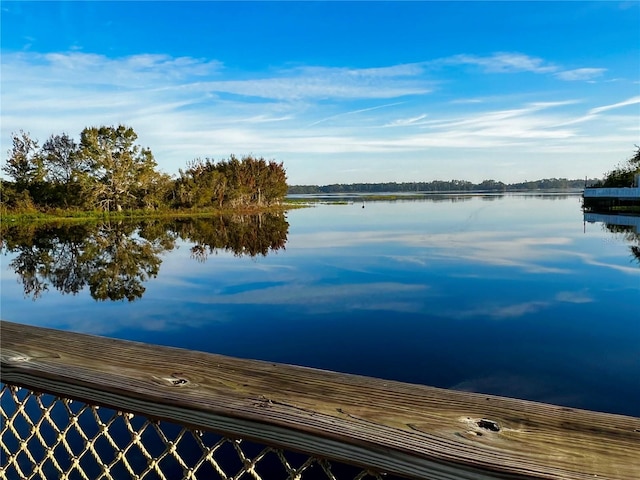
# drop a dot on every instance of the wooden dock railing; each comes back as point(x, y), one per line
point(380, 426)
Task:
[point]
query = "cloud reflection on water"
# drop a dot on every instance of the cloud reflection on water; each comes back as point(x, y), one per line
point(493, 248)
point(497, 310)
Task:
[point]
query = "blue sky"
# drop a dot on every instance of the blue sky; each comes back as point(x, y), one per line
point(340, 92)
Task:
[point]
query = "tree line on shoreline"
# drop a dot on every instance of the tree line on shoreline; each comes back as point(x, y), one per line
point(108, 171)
point(442, 186)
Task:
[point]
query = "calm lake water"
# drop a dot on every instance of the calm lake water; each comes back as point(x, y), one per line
point(514, 295)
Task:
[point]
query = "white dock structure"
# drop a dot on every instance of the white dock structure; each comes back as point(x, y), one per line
point(625, 192)
point(622, 193)
point(612, 198)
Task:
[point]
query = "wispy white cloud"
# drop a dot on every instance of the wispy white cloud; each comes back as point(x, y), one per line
point(404, 122)
point(361, 110)
point(517, 62)
point(625, 103)
point(464, 101)
point(581, 74)
point(186, 75)
point(519, 123)
point(503, 62)
point(262, 119)
point(325, 83)
point(94, 70)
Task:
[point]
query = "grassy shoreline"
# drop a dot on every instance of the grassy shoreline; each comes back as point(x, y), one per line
point(288, 204)
point(95, 215)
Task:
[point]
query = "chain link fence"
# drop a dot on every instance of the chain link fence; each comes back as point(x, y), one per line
point(43, 437)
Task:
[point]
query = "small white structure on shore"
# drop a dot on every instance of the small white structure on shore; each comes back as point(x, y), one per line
point(623, 193)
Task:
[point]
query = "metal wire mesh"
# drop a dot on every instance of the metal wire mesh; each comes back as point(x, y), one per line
point(44, 437)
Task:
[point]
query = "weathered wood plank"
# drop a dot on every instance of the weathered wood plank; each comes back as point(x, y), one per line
point(410, 430)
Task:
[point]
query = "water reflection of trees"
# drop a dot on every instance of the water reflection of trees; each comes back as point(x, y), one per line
point(114, 259)
point(626, 227)
point(630, 235)
point(118, 259)
point(242, 235)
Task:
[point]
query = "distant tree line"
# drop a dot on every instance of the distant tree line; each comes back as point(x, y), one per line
point(108, 171)
point(441, 186)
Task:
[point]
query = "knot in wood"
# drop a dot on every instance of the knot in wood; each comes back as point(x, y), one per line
point(17, 358)
point(173, 380)
point(488, 425)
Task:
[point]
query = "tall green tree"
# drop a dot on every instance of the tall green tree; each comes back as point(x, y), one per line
point(24, 163)
point(253, 181)
point(201, 185)
point(275, 186)
point(64, 167)
point(61, 154)
point(154, 190)
point(117, 168)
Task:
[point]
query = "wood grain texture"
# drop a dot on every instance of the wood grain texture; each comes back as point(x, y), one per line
point(410, 430)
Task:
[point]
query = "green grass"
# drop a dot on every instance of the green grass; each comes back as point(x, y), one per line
point(74, 215)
